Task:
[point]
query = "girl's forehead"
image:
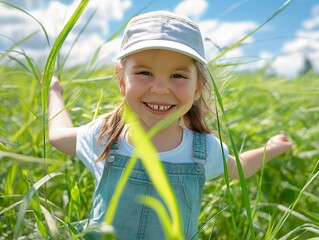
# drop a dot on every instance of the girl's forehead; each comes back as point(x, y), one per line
point(160, 56)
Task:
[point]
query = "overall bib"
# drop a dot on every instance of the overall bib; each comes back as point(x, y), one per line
point(134, 220)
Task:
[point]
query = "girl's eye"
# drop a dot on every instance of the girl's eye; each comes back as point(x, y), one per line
point(178, 76)
point(145, 73)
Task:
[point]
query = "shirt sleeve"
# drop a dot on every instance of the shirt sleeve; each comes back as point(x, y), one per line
point(86, 147)
point(215, 152)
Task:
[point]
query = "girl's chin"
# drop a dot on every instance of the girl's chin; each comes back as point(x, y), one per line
point(147, 125)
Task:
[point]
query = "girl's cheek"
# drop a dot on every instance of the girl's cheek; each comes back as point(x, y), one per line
point(183, 84)
point(140, 80)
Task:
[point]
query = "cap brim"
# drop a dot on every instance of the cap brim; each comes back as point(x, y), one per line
point(162, 44)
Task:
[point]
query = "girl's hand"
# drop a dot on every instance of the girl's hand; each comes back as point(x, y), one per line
point(56, 85)
point(279, 143)
point(253, 160)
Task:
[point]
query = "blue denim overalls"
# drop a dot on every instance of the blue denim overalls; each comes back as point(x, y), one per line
point(132, 219)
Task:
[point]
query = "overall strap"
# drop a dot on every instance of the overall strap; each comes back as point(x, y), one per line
point(199, 150)
point(111, 156)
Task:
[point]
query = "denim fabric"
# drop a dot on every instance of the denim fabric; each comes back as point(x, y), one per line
point(133, 220)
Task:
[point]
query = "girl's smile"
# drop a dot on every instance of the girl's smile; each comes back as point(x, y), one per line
point(159, 108)
point(155, 83)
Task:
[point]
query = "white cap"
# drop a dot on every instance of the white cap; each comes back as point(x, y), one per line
point(163, 30)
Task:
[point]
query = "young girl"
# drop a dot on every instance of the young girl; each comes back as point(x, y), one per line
point(162, 70)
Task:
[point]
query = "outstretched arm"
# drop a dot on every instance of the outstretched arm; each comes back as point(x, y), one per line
point(253, 160)
point(62, 134)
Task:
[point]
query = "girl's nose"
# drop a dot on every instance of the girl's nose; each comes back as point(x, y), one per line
point(160, 86)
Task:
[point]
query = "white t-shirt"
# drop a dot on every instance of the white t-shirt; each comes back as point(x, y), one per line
point(88, 150)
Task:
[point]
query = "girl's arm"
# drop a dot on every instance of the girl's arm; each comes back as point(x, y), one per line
point(62, 134)
point(253, 160)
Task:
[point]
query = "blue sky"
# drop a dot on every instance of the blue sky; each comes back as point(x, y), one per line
point(284, 42)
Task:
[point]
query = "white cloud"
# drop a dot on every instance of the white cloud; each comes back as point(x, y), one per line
point(313, 22)
point(264, 58)
point(14, 23)
point(191, 8)
point(84, 50)
point(305, 45)
point(219, 35)
point(54, 16)
point(226, 33)
point(27, 4)
point(288, 65)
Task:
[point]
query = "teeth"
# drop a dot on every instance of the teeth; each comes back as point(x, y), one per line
point(158, 107)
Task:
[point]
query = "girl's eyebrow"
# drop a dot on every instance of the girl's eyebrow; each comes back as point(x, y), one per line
point(136, 66)
point(183, 69)
point(179, 69)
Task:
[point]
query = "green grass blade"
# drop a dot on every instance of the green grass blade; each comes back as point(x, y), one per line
point(35, 204)
point(30, 159)
point(226, 177)
point(17, 44)
point(304, 228)
point(27, 198)
point(239, 167)
point(121, 184)
point(161, 213)
point(221, 210)
point(22, 129)
point(75, 200)
point(231, 8)
point(61, 66)
point(19, 62)
point(291, 212)
point(119, 189)
point(284, 218)
point(10, 207)
point(74, 98)
point(50, 64)
point(9, 179)
point(51, 223)
point(98, 105)
point(26, 105)
point(32, 66)
point(150, 160)
point(74, 231)
point(88, 80)
point(114, 35)
point(259, 184)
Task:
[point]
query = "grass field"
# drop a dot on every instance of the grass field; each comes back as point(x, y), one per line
point(43, 192)
point(257, 106)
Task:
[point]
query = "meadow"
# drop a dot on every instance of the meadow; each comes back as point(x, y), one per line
point(43, 193)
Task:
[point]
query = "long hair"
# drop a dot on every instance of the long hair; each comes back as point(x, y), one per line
point(194, 119)
point(112, 128)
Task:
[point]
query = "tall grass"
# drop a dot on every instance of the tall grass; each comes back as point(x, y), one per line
point(36, 189)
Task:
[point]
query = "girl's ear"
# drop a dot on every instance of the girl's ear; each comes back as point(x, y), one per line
point(198, 91)
point(119, 75)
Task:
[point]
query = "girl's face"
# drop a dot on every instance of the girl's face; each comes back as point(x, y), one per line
point(156, 83)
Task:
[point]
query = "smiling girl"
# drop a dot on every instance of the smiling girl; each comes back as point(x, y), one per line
point(161, 70)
